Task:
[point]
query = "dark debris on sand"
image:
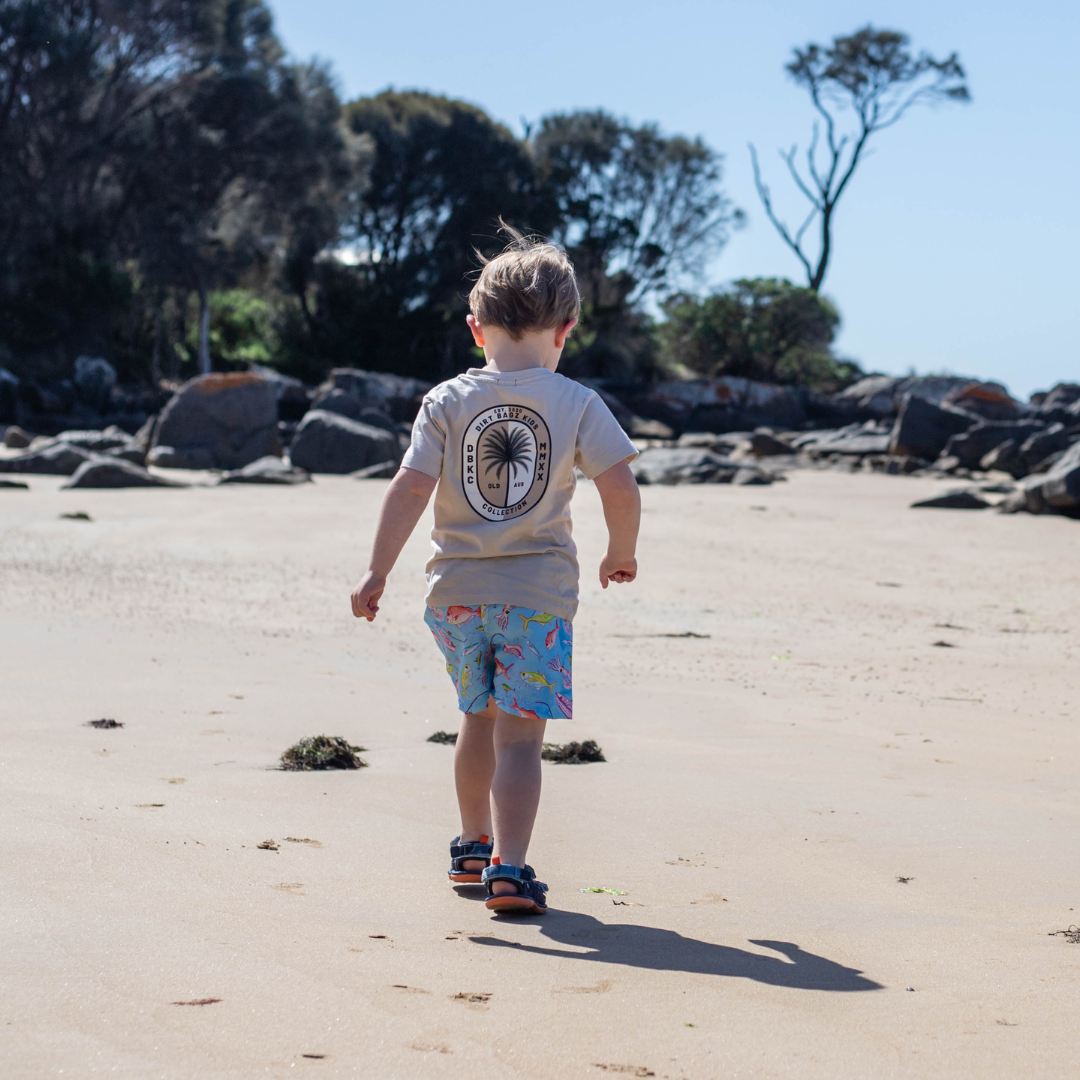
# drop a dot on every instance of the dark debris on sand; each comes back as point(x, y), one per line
point(1072, 934)
point(572, 753)
point(444, 738)
point(105, 723)
point(322, 752)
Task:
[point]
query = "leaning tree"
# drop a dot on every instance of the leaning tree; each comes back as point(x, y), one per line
point(874, 75)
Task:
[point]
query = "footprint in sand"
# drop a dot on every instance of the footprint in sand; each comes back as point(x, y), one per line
point(292, 887)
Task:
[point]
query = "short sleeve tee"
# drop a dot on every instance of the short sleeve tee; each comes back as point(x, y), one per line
point(503, 446)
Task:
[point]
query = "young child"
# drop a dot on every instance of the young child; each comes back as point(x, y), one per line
point(500, 443)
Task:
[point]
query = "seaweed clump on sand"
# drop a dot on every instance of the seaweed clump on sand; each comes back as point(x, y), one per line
point(105, 723)
point(322, 752)
point(444, 738)
point(572, 753)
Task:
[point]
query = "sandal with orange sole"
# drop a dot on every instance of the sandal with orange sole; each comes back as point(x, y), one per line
point(462, 852)
point(530, 899)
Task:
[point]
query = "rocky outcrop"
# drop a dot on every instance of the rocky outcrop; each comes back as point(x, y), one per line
point(267, 470)
point(397, 396)
point(55, 459)
point(971, 446)
point(115, 473)
point(220, 421)
point(923, 428)
point(326, 442)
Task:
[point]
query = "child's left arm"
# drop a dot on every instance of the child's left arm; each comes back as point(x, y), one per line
point(622, 511)
point(404, 502)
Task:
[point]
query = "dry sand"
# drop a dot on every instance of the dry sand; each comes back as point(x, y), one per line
point(843, 848)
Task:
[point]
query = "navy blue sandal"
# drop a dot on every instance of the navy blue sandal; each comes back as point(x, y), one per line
point(530, 899)
point(467, 851)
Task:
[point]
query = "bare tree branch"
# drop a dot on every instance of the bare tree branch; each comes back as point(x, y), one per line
point(872, 74)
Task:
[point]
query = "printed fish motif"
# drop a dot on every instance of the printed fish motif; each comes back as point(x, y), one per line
point(550, 639)
point(527, 713)
point(514, 650)
point(556, 666)
point(503, 618)
point(506, 687)
point(465, 676)
point(564, 704)
point(536, 677)
point(444, 638)
point(531, 647)
point(458, 615)
point(542, 619)
point(502, 669)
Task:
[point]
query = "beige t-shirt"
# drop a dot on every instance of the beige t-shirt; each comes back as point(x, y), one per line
point(503, 446)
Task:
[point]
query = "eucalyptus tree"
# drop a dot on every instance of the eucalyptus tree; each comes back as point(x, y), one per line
point(639, 213)
point(859, 86)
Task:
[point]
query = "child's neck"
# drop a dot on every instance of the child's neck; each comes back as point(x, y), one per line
point(534, 349)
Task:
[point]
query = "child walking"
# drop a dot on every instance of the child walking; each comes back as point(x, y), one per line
point(498, 446)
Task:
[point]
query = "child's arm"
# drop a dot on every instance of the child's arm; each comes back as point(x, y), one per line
point(622, 511)
point(404, 502)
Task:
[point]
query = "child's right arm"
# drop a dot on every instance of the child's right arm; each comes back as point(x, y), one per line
point(404, 502)
point(622, 511)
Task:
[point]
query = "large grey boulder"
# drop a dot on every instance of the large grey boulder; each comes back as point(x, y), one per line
point(1061, 405)
point(267, 470)
point(874, 396)
point(221, 420)
point(1060, 487)
point(958, 499)
point(54, 459)
point(855, 440)
point(328, 443)
point(94, 379)
point(674, 465)
point(97, 442)
point(396, 395)
point(293, 397)
point(971, 446)
point(17, 439)
point(345, 404)
point(101, 472)
point(923, 428)
point(1038, 447)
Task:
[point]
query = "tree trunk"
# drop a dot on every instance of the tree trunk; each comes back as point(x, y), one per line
point(204, 332)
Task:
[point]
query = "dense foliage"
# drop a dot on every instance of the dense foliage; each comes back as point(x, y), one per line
point(763, 328)
point(177, 194)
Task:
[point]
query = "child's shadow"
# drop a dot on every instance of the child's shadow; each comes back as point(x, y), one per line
point(665, 950)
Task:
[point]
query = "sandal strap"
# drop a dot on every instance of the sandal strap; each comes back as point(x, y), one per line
point(469, 849)
point(524, 877)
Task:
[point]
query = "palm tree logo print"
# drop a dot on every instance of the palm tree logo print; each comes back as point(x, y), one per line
point(505, 461)
point(507, 450)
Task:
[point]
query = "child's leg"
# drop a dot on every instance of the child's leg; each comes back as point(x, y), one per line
point(515, 787)
point(474, 766)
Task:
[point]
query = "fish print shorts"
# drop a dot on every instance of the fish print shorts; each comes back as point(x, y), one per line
point(520, 656)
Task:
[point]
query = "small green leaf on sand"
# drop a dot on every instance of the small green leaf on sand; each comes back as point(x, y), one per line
point(610, 892)
point(322, 752)
point(780, 656)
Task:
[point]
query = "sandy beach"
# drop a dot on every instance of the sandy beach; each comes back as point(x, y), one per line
point(840, 847)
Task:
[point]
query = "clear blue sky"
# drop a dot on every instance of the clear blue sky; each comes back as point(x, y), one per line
point(956, 247)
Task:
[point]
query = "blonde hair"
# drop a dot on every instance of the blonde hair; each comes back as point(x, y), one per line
point(531, 285)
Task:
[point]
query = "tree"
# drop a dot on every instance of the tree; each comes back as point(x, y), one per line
point(765, 329)
point(238, 144)
point(874, 74)
point(638, 213)
point(390, 289)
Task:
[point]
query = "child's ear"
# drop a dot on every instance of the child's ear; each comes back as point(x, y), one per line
point(477, 330)
point(563, 332)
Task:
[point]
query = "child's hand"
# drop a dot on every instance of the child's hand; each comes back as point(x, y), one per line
point(617, 570)
point(365, 597)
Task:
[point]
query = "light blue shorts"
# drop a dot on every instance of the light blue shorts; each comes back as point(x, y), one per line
point(518, 656)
